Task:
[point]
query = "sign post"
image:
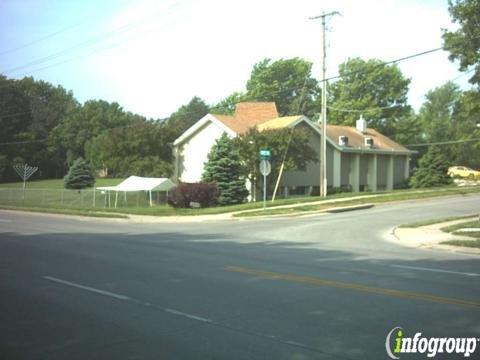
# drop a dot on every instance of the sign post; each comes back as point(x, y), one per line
point(265, 169)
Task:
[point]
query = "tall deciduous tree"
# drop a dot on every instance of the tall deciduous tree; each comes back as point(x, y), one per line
point(464, 43)
point(293, 144)
point(85, 123)
point(227, 105)
point(141, 148)
point(30, 110)
point(436, 113)
point(287, 82)
point(186, 116)
point(371, 88)
point(465, 120)
point(224, 168)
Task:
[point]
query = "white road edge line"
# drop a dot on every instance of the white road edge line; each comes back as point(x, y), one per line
point(88, 288)
point(126, 298)
point(433, 270)
point(5, 221)
point(194, 317)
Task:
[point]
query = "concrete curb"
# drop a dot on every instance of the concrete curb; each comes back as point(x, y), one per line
point(349, 208)
point(419, 239)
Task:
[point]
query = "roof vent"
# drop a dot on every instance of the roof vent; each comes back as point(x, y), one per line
point(343, 140)
point(368, 142)
point(361, 124)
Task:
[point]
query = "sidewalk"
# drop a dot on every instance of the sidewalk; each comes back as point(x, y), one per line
point(430, 237)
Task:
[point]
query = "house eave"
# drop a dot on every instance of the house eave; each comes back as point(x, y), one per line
point(192, 130)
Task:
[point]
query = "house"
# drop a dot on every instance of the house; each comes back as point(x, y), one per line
point(358, 157)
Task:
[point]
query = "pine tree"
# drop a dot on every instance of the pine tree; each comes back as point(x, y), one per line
point(79, 176)
point(432, 170)
point(223, 167)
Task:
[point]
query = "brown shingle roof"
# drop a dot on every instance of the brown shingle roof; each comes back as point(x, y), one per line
point(249, 114)
point(278, 123)
point(356, 138)
point(230, 122)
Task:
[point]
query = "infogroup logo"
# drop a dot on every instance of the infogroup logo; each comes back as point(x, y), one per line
point(397, 343)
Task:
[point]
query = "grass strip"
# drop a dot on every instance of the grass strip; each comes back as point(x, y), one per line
point(465, 243)
point(472, 234)
point(435, 221)
point(470, 224)
point(247, 209)
point(78, 212)
point(389, 197)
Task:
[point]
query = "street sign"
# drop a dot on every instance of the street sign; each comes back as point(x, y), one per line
point(265, 154)
point(265, 167)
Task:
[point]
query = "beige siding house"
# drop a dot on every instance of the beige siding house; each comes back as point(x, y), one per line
point(358, 158)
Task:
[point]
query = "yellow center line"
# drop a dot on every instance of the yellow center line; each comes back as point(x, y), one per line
point(357, 287)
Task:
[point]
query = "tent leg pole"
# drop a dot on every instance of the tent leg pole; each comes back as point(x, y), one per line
point(150, 194)
point(116, 198)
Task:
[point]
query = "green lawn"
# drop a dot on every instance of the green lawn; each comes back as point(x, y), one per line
point(472, 234)
point(470, 224)
point(385, 197)
point(44, 195)
point(78, 212)
point(464, 243)
point(55, 184)
point(434, 221)
point(475, 235)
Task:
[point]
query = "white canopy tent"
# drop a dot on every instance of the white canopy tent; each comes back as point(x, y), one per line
point(137, 183)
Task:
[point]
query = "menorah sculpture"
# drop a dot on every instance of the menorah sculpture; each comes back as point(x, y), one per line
point(24, 171)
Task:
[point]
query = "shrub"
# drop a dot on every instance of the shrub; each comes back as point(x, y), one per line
point(432, 170)
point(183, 195)
point(224, 169)
point(80, 176)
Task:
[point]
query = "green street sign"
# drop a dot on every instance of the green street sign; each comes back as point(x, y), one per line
point(265, 154)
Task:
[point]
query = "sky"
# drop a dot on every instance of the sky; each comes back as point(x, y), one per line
point(152, 56)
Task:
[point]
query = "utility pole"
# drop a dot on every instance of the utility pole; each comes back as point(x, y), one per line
point(323, 118)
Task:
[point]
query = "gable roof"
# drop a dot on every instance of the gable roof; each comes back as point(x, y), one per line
point(264, 116)
point(230, 122)
point(248, 115)
point(279, 122)
point(255, 112)
point(356, 139)
point(200, 124)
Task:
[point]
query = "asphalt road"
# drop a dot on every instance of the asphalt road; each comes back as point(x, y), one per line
point(318, 287)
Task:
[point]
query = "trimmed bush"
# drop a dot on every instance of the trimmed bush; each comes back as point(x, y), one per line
point(432, 170)
point(80, 176)
point(186, 195)
point(224, 169)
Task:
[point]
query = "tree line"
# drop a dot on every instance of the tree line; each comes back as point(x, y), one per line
point(44, 125)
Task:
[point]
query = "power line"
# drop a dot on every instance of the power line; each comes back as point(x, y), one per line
point(135, 124)
point(364, 110)
point(443, 142)
point(15, 114)
point(285, 89)
point(23, 142)
point(390, 62)
point(89, 42)
point(40, 39)
point(48, 36)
